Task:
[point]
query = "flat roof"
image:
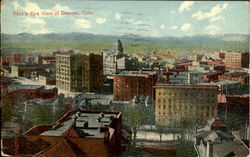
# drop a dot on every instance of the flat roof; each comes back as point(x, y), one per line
point(16, 87)
point(226, 82)
point(93, 129)
point(201, 85)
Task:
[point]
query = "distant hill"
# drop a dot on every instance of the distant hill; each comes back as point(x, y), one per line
point(131, 37)
point(83, 42)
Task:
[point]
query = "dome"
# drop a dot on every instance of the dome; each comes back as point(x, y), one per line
point(118, 48)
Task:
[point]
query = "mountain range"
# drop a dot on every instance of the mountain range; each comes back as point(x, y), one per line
point(130, 37)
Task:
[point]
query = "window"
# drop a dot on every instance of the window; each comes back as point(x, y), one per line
point(159, 106)
point(164, 106)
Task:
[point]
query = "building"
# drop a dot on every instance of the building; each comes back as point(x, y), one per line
point(186, 77)
point(128, 84)
point(77, 133)
point(117, 60)
point(243, 77)
point(235, 105)
point(214, 141)
point(30, 70)
point(79, 73)
point(213, 65)
point(64, 52)
point(236, 60)
point(229, 87)
point(47, 79)
point(10, 59)
point(174, 102)
point(109, 62)
point(127, 63)
point(46, 59)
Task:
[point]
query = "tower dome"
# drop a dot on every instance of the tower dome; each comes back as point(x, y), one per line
point(118, 48)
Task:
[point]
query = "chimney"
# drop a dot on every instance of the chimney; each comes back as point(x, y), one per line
point(86, 124)
point(16, 146)
point(209, 151)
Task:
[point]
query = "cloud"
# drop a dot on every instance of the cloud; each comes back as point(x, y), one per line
point(42, 31)
point(224, 6)
point(186, 27)
point(100, 20)
point(58, 7)
point(138, 22)
point(172, 12)
point(30, 6)
point(213, 12)
point(216, 18)
point(35, 20)
point(82, 23)
point(185, 6)
point(118, 16)
point(162, 26)
point(15, 5)
point(212, 29)
point(174, 27)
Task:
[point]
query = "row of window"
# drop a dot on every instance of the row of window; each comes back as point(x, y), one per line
point(176, 113)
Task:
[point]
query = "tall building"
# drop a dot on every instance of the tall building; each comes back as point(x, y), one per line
point(109, 62)
point(79, 73)
point(127, 85)
point(173, 102)
point(236, 60)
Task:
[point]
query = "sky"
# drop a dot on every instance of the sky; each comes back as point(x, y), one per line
point(147, 18)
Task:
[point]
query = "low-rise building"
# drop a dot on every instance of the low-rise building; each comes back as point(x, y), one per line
point(11, 58)
point(243, 77)
point(128, 84)
point(216, 142)
point(186, 77)
point(174, 102)
point(77, 133)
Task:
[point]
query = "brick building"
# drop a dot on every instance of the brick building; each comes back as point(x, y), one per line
point(174, 102)
point(127, 85)
point(46, 59)
point(82, 73)
point(11, 58)
point(236, 105)
point(236, 60)
point(23, 69)
point(243, 77)
point(77, 133)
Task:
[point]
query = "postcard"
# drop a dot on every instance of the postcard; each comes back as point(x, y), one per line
point(124, 78)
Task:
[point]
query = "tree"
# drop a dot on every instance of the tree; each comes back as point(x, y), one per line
point(8, 108)
point(187, 124)
point(160, 129)
point(42, 115)
point(236, 121)
point(135, 117)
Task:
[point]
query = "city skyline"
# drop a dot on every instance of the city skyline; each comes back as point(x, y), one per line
point(185, 18)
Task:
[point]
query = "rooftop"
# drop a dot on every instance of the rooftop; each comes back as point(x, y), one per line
point(237, 74)
point(16, 87)
point(136, 73)
point(85, 124)
point(227, 82)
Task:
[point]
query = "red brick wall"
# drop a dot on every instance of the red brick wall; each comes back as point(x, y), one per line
point(127, 87)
